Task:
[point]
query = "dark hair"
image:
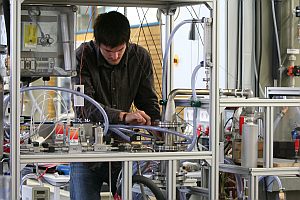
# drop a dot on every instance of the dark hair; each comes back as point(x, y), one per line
point(111, 29)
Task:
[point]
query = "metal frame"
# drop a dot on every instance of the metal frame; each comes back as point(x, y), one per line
point(127, 159)
point(253, 173)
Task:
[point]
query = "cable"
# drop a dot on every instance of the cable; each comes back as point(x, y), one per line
point(231, 118)
point(141, 28)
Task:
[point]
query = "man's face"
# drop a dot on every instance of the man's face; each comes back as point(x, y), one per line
point(113, 55)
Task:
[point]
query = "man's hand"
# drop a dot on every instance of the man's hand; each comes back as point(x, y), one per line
point(138, 118)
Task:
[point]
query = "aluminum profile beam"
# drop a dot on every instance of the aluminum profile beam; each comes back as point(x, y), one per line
point(114, 156)
point(253, 102)
point(128, 3)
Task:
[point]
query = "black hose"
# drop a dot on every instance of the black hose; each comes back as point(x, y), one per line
point(139, 179)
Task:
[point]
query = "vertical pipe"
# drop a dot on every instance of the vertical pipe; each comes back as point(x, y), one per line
point(15, 29)
point(271, 136)
point(267, 139)
point(171, 180)
point(1, 125)
point(251, 187)
point(214, 107)
point(127, 180)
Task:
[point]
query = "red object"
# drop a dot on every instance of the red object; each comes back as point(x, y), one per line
point(199, 129)
point(117, 197)
point(296, 143)
point(242, 121)
point(290, 71)
point(207, 131)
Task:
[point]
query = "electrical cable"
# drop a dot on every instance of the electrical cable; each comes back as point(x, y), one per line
point(231, 118)
point(158, 55)
point(141, 28)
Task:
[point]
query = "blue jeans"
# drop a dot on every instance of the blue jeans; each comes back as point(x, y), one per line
point(86, 181)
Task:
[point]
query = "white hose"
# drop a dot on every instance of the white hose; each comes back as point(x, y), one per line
point(194, 98)
point(165, 58)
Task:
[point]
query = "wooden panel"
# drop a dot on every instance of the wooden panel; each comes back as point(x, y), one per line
point(150, 39)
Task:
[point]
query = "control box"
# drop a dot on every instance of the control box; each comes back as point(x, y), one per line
point(35, 192)
point(48, 41)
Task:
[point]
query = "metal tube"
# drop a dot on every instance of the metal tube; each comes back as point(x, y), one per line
point(214, 108)
point(15, 50)
point(125, 180)
point(267, 139)
point(171, 180)
point(1, 125)
point(271, 135)
point(248, 93)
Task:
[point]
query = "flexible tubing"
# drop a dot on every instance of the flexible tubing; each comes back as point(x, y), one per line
point(139, 179)
point(238, 179)
point(95, 103)
point(154, 128)
point(274, 177)
point(136, 133)
point(194, 98)
point(165, 58)
point(120, 133)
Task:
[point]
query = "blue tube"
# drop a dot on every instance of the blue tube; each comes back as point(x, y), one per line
point(120, 133)
point(136, 133)
point(154, 128)
point(274, 177)
point(95, 103)
point(239, 183)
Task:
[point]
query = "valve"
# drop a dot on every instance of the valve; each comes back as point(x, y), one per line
point(293, 71)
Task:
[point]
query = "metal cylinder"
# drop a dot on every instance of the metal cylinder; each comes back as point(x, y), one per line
point(249, 145)
point(99, 135)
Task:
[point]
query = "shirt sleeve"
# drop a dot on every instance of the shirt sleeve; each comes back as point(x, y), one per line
point(146, 98)
point(89, 111)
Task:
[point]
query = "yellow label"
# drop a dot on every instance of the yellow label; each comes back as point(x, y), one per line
point(30, 35)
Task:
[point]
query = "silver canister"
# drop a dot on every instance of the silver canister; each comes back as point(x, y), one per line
point(249, 145)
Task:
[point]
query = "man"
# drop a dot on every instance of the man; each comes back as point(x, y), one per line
point(116, 74)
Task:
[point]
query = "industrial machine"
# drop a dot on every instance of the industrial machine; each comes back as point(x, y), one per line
point(236, 139)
